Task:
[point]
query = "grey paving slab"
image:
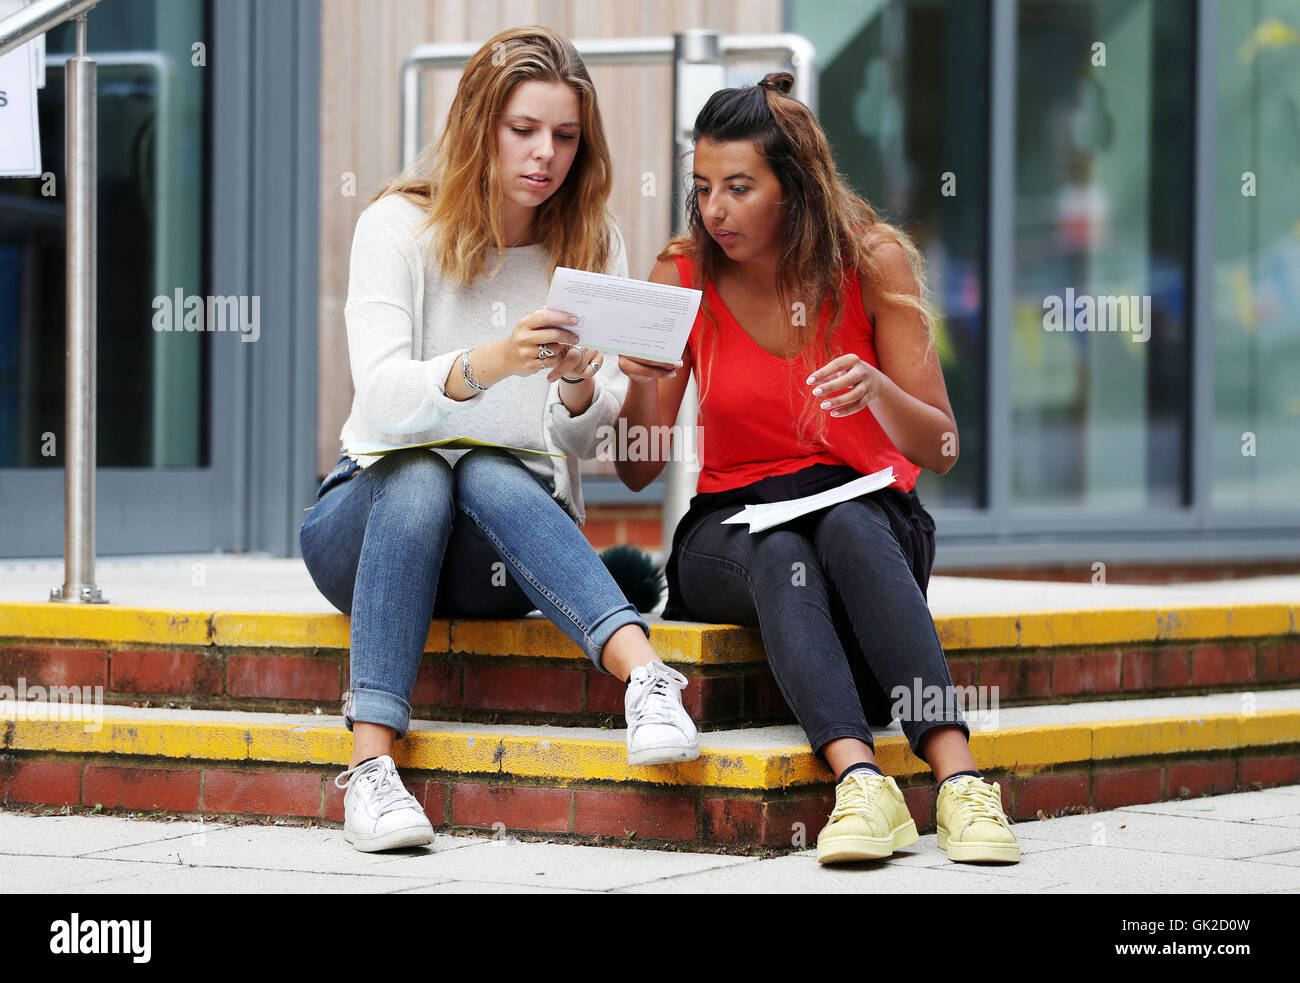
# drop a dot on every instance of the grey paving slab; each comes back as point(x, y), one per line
point(274, 848)
point(1233, 807)
point(77, 836)
point(487, 887)
point(926, 853)
point(510, 861)
point(29, 874)
point(795, 875)
point(186, 582)
point(1240, 850)
point(1155, 833)
point(1116, 870)
point(160, 879)
point(1290, 858)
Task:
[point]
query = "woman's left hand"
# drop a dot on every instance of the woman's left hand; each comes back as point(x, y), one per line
point(576, 361)
point(856, 382)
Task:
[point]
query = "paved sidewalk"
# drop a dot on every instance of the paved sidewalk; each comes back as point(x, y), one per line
point(1247, 843)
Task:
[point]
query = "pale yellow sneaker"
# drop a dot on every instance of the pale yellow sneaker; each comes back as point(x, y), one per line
point(971, 824)
point(869, 822)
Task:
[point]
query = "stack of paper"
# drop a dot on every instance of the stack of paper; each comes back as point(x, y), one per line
point(771, 514)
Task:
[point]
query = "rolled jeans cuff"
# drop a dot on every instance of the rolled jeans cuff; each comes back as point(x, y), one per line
point(374, 706)
point(833, 732)
point(593, 641)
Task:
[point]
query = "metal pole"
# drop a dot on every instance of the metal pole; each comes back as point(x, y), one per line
point(79, 438)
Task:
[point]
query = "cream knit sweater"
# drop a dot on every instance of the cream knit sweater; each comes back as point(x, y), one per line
point(407, 327)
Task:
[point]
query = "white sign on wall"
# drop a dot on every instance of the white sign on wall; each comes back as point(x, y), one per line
point(22, 72)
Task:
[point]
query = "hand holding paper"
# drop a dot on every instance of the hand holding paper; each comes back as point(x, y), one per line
point(624, 316)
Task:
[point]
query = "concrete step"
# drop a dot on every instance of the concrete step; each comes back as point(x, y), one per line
point(527, 671)
point(751, 789)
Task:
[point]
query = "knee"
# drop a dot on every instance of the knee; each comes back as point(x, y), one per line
point(855, 529)
point(486, 476)
point(417, 481)
point(848, 521)
point(783, 558)
point(482, 463)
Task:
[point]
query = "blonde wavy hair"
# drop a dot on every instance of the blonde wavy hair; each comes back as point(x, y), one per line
point(829, 231)
point(574, 224)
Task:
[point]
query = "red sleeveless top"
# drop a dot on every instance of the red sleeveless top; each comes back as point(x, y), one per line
point(749, 414)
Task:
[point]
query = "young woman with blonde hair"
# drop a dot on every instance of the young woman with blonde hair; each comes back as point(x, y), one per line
point(815, 365)
point(442, 266)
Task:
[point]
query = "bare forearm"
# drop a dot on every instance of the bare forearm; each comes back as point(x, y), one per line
point(924, 434)
point(577, 396)
point(640, 409)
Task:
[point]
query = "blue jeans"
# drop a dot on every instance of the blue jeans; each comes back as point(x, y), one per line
point(844, 622)
point(410, 537)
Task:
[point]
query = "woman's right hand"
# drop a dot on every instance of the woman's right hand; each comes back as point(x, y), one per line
point(542, 327)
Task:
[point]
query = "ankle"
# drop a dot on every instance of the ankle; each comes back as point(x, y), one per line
point(975, 773)
point(866, 767)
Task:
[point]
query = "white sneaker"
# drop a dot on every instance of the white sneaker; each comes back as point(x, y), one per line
point(658, 728)
point(378, 812)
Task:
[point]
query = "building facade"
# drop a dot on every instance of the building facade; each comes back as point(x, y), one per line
point(1106, 193)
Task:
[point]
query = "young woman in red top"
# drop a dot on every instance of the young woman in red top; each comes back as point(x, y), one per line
point(815, 363)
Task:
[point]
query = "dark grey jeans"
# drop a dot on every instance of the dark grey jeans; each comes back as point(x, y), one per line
point(848, 632)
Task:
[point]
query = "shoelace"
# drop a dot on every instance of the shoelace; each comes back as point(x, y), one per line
point(858, 797)
point(656, 702)
point(980, 800)
point(385, 786)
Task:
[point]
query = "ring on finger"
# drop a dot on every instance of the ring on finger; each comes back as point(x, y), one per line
point(594, 365)
point(543, 353)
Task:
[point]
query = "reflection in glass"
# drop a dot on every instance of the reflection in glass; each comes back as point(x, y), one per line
point(1257, 257)
point(903, 102)
point(153, 117)
point(1102, 238)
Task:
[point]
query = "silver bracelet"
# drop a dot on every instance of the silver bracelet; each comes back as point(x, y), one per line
point(468, 376)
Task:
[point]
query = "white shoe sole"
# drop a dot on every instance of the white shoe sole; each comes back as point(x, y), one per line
point(396, 840)
point(665, 755)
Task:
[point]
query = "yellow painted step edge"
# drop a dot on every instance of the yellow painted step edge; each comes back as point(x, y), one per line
point(690, 644)
point(1021, 749)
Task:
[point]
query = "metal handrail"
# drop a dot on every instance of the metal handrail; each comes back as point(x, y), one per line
point(82, 174)
point(37, 18)
point(608, 51)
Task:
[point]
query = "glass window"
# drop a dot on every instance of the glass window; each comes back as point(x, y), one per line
point(152, 194)
point(903, 101)
point(1100, 380)
point(1257, 256)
